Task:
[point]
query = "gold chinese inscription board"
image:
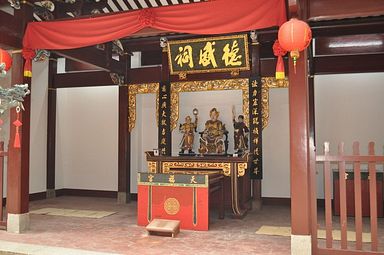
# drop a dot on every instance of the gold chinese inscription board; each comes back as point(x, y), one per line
point(214, 54)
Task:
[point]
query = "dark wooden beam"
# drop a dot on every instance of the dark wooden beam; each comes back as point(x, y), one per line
point(349, 64)
point(124, 145)
point(51, 129)
point(144, 75)
point(372, 25)
point(93, 56)
point(75, 66)
point(350, 45)
point(124, 148)
point(10, 31)
point(340, 9)
point(83, 79)
point(211, 76)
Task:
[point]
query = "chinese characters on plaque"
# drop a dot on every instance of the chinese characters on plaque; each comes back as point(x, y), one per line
point(215, 54)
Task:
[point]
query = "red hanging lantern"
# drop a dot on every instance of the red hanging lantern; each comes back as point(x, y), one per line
point(294, 36)
point(279, 52)
point(5, 61)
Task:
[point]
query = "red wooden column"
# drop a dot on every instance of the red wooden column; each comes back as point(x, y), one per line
point(299, 156)
point(18, 158)
point(18, 161)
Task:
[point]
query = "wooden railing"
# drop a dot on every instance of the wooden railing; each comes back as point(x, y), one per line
point(3, 222)
point(356, 159)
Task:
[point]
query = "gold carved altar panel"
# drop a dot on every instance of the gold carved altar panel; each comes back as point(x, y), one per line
point(268, 83)
point(196, 167)
point(133, 90)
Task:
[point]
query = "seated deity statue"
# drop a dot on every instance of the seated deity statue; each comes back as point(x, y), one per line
point(212, 139)
point(188, 128)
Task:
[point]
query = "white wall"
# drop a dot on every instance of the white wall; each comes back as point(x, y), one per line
point(87, 128)
point(276, 180)
point(349, 108)
point(143, 136)
point(38, 139)
point(87, 138)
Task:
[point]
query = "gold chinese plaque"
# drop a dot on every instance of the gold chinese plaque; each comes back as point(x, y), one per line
point(171, 206)
point(204, 55)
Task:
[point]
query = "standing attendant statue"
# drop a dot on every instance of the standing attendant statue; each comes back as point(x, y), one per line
point(240, 133)
point(188, 129)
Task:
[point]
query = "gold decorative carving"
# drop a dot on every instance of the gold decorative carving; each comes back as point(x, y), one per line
point(172, 167)
point(235, 73)
point(241, 167)
point(171, 206)
point(182, 76)
point(196, 86)
point(133, 90)
point(152, 166)
point(268, 83)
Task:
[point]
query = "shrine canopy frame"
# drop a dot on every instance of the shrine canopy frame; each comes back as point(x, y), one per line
point(206, 18)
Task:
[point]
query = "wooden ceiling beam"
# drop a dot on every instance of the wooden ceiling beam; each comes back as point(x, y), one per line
point(93, 56)
point(10, 31)
point(349, 64)
point(75, 66)
point(348, 27)
point(83, 79)
point(341, 9)
point(349, 45)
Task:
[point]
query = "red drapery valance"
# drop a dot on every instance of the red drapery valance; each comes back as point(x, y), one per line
point(213, 17)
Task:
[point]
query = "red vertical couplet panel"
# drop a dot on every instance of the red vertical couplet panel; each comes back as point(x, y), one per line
point(187, 204)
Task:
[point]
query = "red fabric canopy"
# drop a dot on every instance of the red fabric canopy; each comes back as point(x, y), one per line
point(213, 17)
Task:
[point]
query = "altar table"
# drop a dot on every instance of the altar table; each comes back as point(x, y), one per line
point(237, 183)
point(178, 197)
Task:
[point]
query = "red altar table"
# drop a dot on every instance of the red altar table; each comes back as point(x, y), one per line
point(177, 197)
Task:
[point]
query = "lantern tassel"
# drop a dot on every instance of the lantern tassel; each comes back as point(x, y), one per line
point(280, 72)
point(295, 55)
point(16, 143)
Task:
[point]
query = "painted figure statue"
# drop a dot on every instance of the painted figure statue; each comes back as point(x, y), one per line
point(188, 129)
point(212, 138)
point(240, 133)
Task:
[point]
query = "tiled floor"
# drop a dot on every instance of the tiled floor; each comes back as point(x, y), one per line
point(119, 233)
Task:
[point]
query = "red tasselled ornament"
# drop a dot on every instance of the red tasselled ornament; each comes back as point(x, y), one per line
point(279, 52)
point(17, 123)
